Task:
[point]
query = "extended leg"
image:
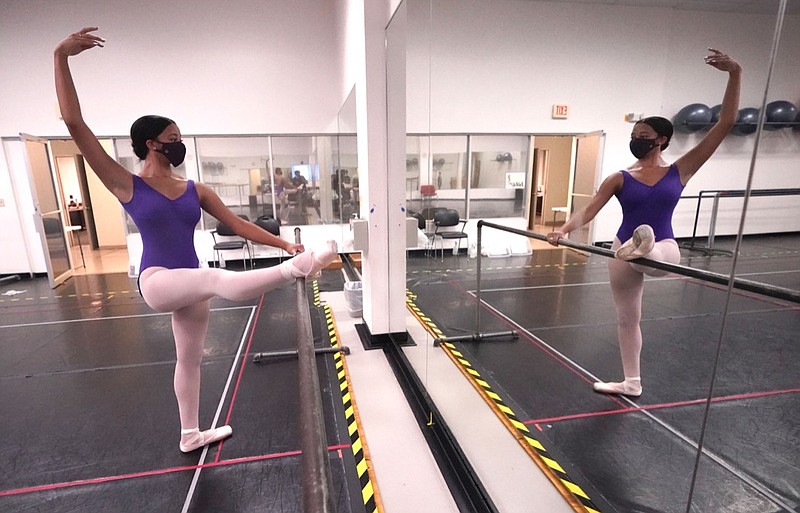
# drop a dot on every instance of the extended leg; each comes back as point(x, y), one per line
point(166, 290)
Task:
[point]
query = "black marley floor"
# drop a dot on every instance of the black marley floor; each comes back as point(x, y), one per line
point(90, 422)
point(639, 455)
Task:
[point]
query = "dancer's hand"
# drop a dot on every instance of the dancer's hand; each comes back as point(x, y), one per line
point(294, 249)
point(79, 41)
point(722, 61)
point(554, 237)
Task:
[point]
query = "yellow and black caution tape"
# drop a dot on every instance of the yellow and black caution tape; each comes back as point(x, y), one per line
point(358, 443)
point(573, 493)
point(315, 292)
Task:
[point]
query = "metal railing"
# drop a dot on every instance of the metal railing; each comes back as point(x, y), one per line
point(317, 483)
point(701, 274)
point(14, 277)
point(717, 195)
point(316, 471)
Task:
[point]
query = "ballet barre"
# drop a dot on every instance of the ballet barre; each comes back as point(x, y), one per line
point(317, 482)
point(315, 465)
point(700, 274)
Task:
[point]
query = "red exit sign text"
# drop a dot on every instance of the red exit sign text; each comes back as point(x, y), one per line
point(560, 111)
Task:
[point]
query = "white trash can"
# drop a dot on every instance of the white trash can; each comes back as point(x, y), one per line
point(353, 298)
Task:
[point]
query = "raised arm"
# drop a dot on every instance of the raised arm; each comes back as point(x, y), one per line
point(115, 177)
point(607, 189)
point(697, 156)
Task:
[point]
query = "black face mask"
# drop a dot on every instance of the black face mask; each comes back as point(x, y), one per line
point(174, 151)
point(641, 147)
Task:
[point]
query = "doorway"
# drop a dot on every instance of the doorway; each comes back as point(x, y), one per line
point(92, 215)
point(48, 215)
point(565, 172)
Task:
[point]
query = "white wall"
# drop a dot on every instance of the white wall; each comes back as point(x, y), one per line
point(500, 66)
point(15, 217)
point(250, 66)
point(68, 173)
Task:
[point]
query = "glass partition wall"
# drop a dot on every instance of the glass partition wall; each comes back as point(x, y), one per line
point(287, 177)
point(344, 181)
point(714, 429)
point(237, 170)
point(479, 176)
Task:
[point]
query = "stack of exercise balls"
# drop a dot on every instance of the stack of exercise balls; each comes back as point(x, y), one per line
point(692, 118)
point(746, 121)
point(780, 114)
point(697, 116)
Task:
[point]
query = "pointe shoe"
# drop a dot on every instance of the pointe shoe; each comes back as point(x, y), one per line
point(631, 389)
point(323, 259)
point(639, 245)
point(309, 264)
point(202, 438)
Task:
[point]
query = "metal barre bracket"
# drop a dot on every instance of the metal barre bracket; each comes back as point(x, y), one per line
point(257, 357)
point(14, 277)
point(476, 337)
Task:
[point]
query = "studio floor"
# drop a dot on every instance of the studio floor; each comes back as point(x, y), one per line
point(639, 454)
point(90, 422)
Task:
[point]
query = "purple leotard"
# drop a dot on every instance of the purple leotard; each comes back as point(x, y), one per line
point(166, 226)
point(649, 204)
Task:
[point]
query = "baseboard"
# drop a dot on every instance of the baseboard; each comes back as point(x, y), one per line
point(370, 341)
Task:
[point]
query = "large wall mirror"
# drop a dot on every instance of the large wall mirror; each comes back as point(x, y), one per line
point(344, 181)
point(516, 110)
point(286, 181)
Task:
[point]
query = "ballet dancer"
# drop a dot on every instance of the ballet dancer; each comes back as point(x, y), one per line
point(166, 208)
point(648, 192)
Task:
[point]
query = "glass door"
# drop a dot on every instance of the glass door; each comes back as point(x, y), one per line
point(585, 179)
point(48, 216)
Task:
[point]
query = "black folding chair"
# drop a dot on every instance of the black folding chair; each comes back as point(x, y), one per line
point(444, 221)
point(224, 241)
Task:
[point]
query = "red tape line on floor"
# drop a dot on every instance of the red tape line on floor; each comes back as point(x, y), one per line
point(159, 472)
point(241, 372)
point(737, 397)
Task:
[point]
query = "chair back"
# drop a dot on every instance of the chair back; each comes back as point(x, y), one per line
point(447, 217)
point(420, 219)
point(269, 224)
point(225, 230)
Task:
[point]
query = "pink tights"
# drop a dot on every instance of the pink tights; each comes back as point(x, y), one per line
point(186, 293)
point(627, 284)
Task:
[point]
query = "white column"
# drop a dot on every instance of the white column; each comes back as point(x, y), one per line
point(383, 206)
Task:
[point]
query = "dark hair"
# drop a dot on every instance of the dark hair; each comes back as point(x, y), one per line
point(662, 126)
point(144, 129)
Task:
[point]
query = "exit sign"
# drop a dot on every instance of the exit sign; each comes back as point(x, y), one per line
point(560, 111)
